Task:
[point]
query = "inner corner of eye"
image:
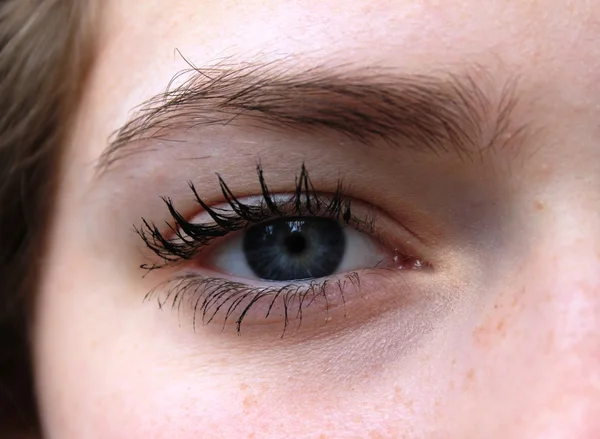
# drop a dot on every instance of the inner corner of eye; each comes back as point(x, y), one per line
point(406, 262)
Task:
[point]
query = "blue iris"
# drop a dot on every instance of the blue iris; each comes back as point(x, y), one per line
point(286, 249)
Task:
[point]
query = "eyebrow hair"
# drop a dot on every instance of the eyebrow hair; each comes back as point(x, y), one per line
point(438, 114)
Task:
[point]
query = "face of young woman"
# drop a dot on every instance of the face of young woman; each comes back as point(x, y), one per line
point(329, 220)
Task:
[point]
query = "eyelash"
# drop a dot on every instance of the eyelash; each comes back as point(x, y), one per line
point(208, 296)
point(191, 238)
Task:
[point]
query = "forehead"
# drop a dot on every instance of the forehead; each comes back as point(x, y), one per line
point(408, 33)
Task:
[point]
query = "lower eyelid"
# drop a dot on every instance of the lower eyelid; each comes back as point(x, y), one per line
point(280, 308)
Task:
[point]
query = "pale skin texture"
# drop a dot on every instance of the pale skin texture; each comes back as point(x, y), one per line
point(500, 340)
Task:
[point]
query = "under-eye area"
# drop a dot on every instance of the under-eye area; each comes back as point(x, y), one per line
point(276, 260)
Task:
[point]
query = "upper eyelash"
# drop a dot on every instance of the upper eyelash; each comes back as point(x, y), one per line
point(189, 238)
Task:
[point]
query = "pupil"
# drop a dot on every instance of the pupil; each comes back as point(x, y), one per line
point(295, 243)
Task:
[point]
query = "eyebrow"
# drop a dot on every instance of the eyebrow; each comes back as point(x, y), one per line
point(439, 114)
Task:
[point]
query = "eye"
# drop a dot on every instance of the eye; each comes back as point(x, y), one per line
point(295, 248)
point(277, 258)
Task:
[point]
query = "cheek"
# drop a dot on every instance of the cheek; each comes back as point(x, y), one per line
point(109, 365)
point(111, 384)
point(101, 381)
point(109, 368)
point(532, 353)
point(119, 401)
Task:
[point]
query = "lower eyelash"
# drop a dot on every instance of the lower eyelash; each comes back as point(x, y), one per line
point(210, 296)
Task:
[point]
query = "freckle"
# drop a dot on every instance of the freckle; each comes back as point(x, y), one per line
point(398, 393)
point(500, 325)
point(451, 385)
point(357, 419)
point(322, 436)
point(248, 403)
point(471, 375)
point(244, 387)
point(550, 340)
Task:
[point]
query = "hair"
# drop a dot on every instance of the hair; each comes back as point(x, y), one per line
point(46, 53)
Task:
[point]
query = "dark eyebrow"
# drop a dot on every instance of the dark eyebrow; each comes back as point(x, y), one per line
point(437, 114)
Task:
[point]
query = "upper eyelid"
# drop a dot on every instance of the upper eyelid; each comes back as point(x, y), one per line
point(187, 235)
point(368, 219)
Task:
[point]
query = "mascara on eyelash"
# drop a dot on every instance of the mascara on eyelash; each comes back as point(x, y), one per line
point(210, 296)
point(190, 238)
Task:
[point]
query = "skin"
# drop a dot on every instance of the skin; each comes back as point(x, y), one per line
point(499, 340)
